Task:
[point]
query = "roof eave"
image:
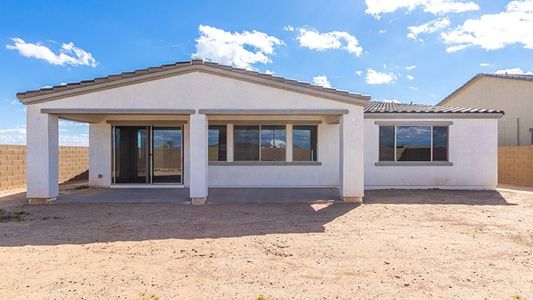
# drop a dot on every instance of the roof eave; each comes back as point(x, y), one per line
point(427, 115)
point(113, 81)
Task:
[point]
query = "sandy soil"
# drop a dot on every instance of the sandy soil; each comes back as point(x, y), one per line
point(400, 244)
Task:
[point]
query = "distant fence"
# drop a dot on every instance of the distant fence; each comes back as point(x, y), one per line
point(73, 163)
point(515, 165)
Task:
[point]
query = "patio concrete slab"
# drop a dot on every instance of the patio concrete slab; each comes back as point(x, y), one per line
point(126, 195)
point(272, 195)
point(216, 195)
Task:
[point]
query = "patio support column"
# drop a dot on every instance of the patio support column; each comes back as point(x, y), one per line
point(41, 156)
point(198, 158)
point(351, 165)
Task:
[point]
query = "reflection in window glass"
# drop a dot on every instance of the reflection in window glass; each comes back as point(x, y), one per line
point(386, 143)
point(273, 143)
point(217, 143)
point(440, 143)
point(304, 141)
point(246, 143)
point(413, 143)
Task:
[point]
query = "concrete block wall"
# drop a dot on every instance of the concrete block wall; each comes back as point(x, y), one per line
point(73, 161)
point(515, 165)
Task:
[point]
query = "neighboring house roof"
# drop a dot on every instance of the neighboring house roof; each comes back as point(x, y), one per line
point(482, 75)
point(376, 107)
point(126, 78)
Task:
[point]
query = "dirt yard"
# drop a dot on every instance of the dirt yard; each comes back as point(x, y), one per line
point(399, 244)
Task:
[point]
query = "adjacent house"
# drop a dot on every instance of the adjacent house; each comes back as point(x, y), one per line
point(509, 92)
point(198, 125)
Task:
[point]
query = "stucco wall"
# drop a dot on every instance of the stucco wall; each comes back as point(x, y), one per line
point(73, 161)
point(473, 150)
point(189, 91)
point(515, 97)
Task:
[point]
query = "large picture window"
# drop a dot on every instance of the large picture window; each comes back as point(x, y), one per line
point(260, 143)
point(246, 143)
point(413, 143)
point(273, 143)
point(217, 142)
point(304, 143)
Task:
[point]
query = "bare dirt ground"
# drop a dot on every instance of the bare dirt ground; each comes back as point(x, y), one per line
point(399, 244)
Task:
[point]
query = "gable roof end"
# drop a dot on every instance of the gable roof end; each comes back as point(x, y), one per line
point(127, 78)
point(480, 75)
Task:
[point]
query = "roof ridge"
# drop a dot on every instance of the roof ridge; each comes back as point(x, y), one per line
point(180, 64)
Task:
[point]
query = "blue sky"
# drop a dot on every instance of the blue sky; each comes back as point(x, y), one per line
point(406, 50)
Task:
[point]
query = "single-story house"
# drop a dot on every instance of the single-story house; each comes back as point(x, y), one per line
point(198, 125)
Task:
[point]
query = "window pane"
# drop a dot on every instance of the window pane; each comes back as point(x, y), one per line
point(217, 143)
point(273, 143)
point(246, 143)
point(440, 143)
point(304, 141)
point(386, 143)
point(413, 143)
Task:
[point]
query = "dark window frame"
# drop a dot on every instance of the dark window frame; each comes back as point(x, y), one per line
point(313, 141)
point(222, 137)
point(431, 145)
point(259, 141)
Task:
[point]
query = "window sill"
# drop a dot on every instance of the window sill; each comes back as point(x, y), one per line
point(265, 163)
point(414, 163)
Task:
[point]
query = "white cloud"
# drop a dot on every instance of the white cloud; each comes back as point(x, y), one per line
point(288, 28)
point(390, 101)
point(495, 31)
point(414, 88)
point(322, 80)
point(314, 40)
point(429, 27)
point(359, 72)
point(269, 72)
point(382, 31)
point(410, 77)
point(375, 77)
point(517, 71)
point(74, 139)
point(485, 65)
point(377, 8)
point(13, 136)
point(68, 54)
point(410, 68)
point(239, 49)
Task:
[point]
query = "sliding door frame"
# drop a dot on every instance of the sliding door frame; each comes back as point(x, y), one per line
point(150, 159)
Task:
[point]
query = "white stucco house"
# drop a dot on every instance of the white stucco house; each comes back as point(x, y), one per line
point(199, 125)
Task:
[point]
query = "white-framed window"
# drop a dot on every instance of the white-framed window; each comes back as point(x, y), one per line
point(426, 143)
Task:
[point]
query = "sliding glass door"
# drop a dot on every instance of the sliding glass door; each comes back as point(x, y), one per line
point(146, 154)
point(131, 154)
point(167, 154)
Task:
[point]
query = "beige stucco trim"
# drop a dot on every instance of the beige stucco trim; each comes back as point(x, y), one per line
point(274, 112)
point(146, 123)
point(265, 163)
point(117, 111)
point(413, 163)
point(265, 122)
point(414, 123)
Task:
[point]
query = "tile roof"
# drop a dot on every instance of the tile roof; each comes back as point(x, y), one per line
point(524, 77)
point(392, 107)
point(190, 65)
